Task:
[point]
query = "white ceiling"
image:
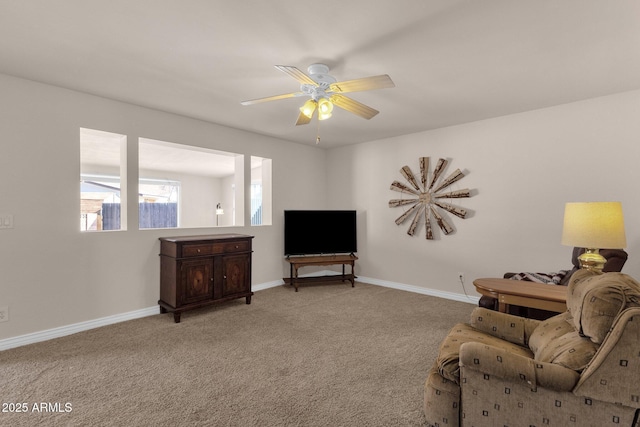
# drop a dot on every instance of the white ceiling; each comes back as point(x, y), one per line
point(453, 61)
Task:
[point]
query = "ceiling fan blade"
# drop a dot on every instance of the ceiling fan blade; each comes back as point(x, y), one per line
point(303, 119)
point(353, 106)
point(271, 98)
point(366, 83)
point(296, 74)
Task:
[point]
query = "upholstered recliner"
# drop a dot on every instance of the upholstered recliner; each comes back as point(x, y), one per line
point(578, 368)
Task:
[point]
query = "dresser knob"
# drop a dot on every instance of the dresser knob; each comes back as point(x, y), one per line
point(198, 250)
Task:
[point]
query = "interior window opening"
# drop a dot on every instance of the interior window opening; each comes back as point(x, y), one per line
point(260, 191)
point(102, 187)
point(184, 186)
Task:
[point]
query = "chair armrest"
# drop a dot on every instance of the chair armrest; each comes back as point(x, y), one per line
point(508, 327)
point(515, 368)
point(612, 375)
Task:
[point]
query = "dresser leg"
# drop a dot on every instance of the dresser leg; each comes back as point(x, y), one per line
point(176, 316)
point(249, 299)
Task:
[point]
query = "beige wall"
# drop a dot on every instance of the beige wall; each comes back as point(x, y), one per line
point(51, 274)
point(523, 167)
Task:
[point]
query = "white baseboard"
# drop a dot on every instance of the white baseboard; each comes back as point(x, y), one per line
point(75, 328)
point(62, 331)
point(419, 290)
point(267, 285)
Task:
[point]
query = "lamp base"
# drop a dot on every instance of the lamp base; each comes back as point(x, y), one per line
point(592, 260)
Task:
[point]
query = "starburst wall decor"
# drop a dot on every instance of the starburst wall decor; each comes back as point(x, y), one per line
point(428, 200)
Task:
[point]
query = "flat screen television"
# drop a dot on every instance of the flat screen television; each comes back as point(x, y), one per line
point(309, 232)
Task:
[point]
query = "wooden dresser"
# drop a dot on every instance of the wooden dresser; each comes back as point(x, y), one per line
point(196, 271)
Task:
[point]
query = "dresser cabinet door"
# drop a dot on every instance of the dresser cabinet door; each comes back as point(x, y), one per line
point(196, 280)
point(236, 277)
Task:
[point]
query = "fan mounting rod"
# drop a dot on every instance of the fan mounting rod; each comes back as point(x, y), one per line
point(319, 73)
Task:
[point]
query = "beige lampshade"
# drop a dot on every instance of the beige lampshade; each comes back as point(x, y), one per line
point(594, 225)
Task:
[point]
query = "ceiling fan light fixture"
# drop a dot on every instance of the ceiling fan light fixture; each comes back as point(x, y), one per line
point(325, 108)
point(308, 108)
point(323, 116)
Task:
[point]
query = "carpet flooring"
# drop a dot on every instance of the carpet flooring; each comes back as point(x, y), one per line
point(328, 355)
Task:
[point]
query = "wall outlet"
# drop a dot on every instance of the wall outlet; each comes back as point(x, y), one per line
point(461, 277)
point(4, 314)
point(6, 221)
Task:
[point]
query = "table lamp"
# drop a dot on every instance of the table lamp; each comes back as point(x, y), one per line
point(594, 226)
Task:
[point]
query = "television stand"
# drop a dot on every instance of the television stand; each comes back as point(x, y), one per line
point(304, 261)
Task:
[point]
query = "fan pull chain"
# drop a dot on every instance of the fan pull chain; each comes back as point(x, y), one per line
point(318, 133)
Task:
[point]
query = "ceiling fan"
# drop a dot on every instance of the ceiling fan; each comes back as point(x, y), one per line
point(325, 91)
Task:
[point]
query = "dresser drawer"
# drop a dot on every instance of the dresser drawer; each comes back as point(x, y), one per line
point(197, 250)
point(224, 247)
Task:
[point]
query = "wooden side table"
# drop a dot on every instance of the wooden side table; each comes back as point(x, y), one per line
point(301, 261)
point(523, 293)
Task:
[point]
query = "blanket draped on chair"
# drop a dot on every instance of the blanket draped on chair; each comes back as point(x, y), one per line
point(549, 278)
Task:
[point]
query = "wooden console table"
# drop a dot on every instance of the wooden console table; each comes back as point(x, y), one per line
point(526, 294)
point(303, 261)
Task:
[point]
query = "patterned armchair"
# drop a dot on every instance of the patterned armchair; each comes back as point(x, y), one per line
point(580, 368)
